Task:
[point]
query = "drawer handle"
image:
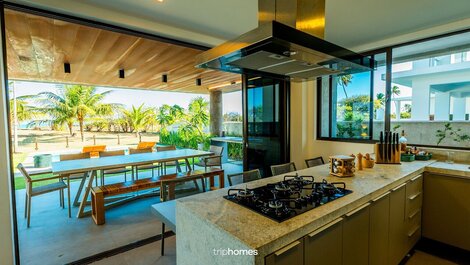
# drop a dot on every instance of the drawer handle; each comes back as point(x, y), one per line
point(323, 228)
point(399, 187)
point(414, 214)
point(414, 231)
point(381, 196)
point(286, 248)
point(357, 209)
point(414, 196)
point(416, 178)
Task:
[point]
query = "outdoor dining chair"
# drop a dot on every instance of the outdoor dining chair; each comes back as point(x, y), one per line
point(76, 156)
point(150, 166)
point(114, 171)
point(42, 189)
point(244, 177)
point(313, 162)
point(175, 163)
point(212, 160)
point(283, 168)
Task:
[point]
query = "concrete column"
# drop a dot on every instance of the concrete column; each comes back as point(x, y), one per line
point(216, 113)
point(6, 211)
point(420, 101)
point(442, 106)
point(459, 108)
point(397, 109)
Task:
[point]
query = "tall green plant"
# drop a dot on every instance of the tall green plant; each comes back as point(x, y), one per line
point(139, 118)
point(76, 102)
point(196, 119)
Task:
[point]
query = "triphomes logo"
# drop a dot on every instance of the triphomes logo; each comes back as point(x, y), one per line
point(234, 252)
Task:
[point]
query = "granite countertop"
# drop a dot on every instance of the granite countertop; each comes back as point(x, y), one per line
point(460, 170)
point(259, 232)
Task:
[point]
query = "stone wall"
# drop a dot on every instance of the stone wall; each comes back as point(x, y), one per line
point(424, 132)
point(234, 128)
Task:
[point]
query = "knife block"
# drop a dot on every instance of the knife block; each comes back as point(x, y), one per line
point(387, 154)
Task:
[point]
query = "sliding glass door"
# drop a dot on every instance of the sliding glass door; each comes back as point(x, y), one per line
point(266, 122)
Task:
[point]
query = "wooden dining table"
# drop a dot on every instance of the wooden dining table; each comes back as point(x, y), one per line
point(90, 166)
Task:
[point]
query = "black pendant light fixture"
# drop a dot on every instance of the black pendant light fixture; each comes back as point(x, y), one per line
point(198, 82)
point(121, 73)
point(165, 78)
point(67, 68)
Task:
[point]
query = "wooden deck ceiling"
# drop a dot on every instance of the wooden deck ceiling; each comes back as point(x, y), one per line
point(38, 47)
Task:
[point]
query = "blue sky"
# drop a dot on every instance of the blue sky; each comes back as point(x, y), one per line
point(360, 85)
point(232, 101)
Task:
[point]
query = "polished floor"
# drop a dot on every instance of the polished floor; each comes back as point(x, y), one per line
point(423, 258)
point(53, 238)
point(150, 255)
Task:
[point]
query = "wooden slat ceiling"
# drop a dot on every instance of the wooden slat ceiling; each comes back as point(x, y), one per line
point(37, 48)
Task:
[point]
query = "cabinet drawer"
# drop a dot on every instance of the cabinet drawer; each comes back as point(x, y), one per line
point(413, 203)
point(414, 235)
point(413, 220)
point(414, 186)
point(288, 255)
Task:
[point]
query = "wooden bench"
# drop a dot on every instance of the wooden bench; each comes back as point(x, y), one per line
point(98, 194)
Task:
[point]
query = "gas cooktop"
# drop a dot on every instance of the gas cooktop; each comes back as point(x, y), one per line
point(288, 198)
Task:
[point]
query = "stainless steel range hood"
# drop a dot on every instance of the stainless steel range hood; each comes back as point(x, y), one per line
point(277, 48)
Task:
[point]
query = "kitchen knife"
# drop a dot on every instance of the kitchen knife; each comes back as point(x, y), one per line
point(389, 146)
point(381, 145)
point(394, 147)
point(385, 157)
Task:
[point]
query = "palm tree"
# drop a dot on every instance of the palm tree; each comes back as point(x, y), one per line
point(58, 107)
point(396, 92)
point(139, 118)
point(344, 81)
point(24, 111)
point(197, 116)
point(77, 102)
point(167, 115)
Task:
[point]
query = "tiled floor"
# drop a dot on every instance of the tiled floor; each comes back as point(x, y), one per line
point(53, 238)
point(146, 255)
point(422, 258)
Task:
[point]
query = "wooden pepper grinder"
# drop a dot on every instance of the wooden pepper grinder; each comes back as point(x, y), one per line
point(359, 161)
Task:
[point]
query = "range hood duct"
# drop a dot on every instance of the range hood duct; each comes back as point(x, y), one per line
point(288, 42)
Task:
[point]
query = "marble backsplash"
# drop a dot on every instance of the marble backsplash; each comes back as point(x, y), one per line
point(459, 156)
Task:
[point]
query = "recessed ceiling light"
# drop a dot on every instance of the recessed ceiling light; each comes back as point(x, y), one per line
point(160, 1)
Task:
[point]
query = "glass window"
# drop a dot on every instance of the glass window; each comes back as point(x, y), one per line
point(356, 103)
point(430, 89)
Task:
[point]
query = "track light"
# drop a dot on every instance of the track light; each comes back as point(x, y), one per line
point(67, 69)
point(165, 78)
point(121, 73)
point(198, 82)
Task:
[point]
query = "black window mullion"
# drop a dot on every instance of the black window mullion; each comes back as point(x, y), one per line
point(330, 109)
point(388, 88)
point(371, 104)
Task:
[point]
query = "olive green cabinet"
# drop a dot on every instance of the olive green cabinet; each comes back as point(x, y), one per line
point(446, 209)
point(356, 236)
point(379, 230)
point(397, 231)
point(292, 254)
point(324, 246)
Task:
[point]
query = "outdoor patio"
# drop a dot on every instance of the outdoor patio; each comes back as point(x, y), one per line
point(77, 238)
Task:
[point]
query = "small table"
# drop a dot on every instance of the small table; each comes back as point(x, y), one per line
point(165, 212)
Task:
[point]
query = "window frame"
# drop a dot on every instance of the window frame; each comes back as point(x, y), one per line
point(388, 50)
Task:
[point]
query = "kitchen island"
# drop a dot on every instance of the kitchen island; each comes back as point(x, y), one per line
point(208, 224)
